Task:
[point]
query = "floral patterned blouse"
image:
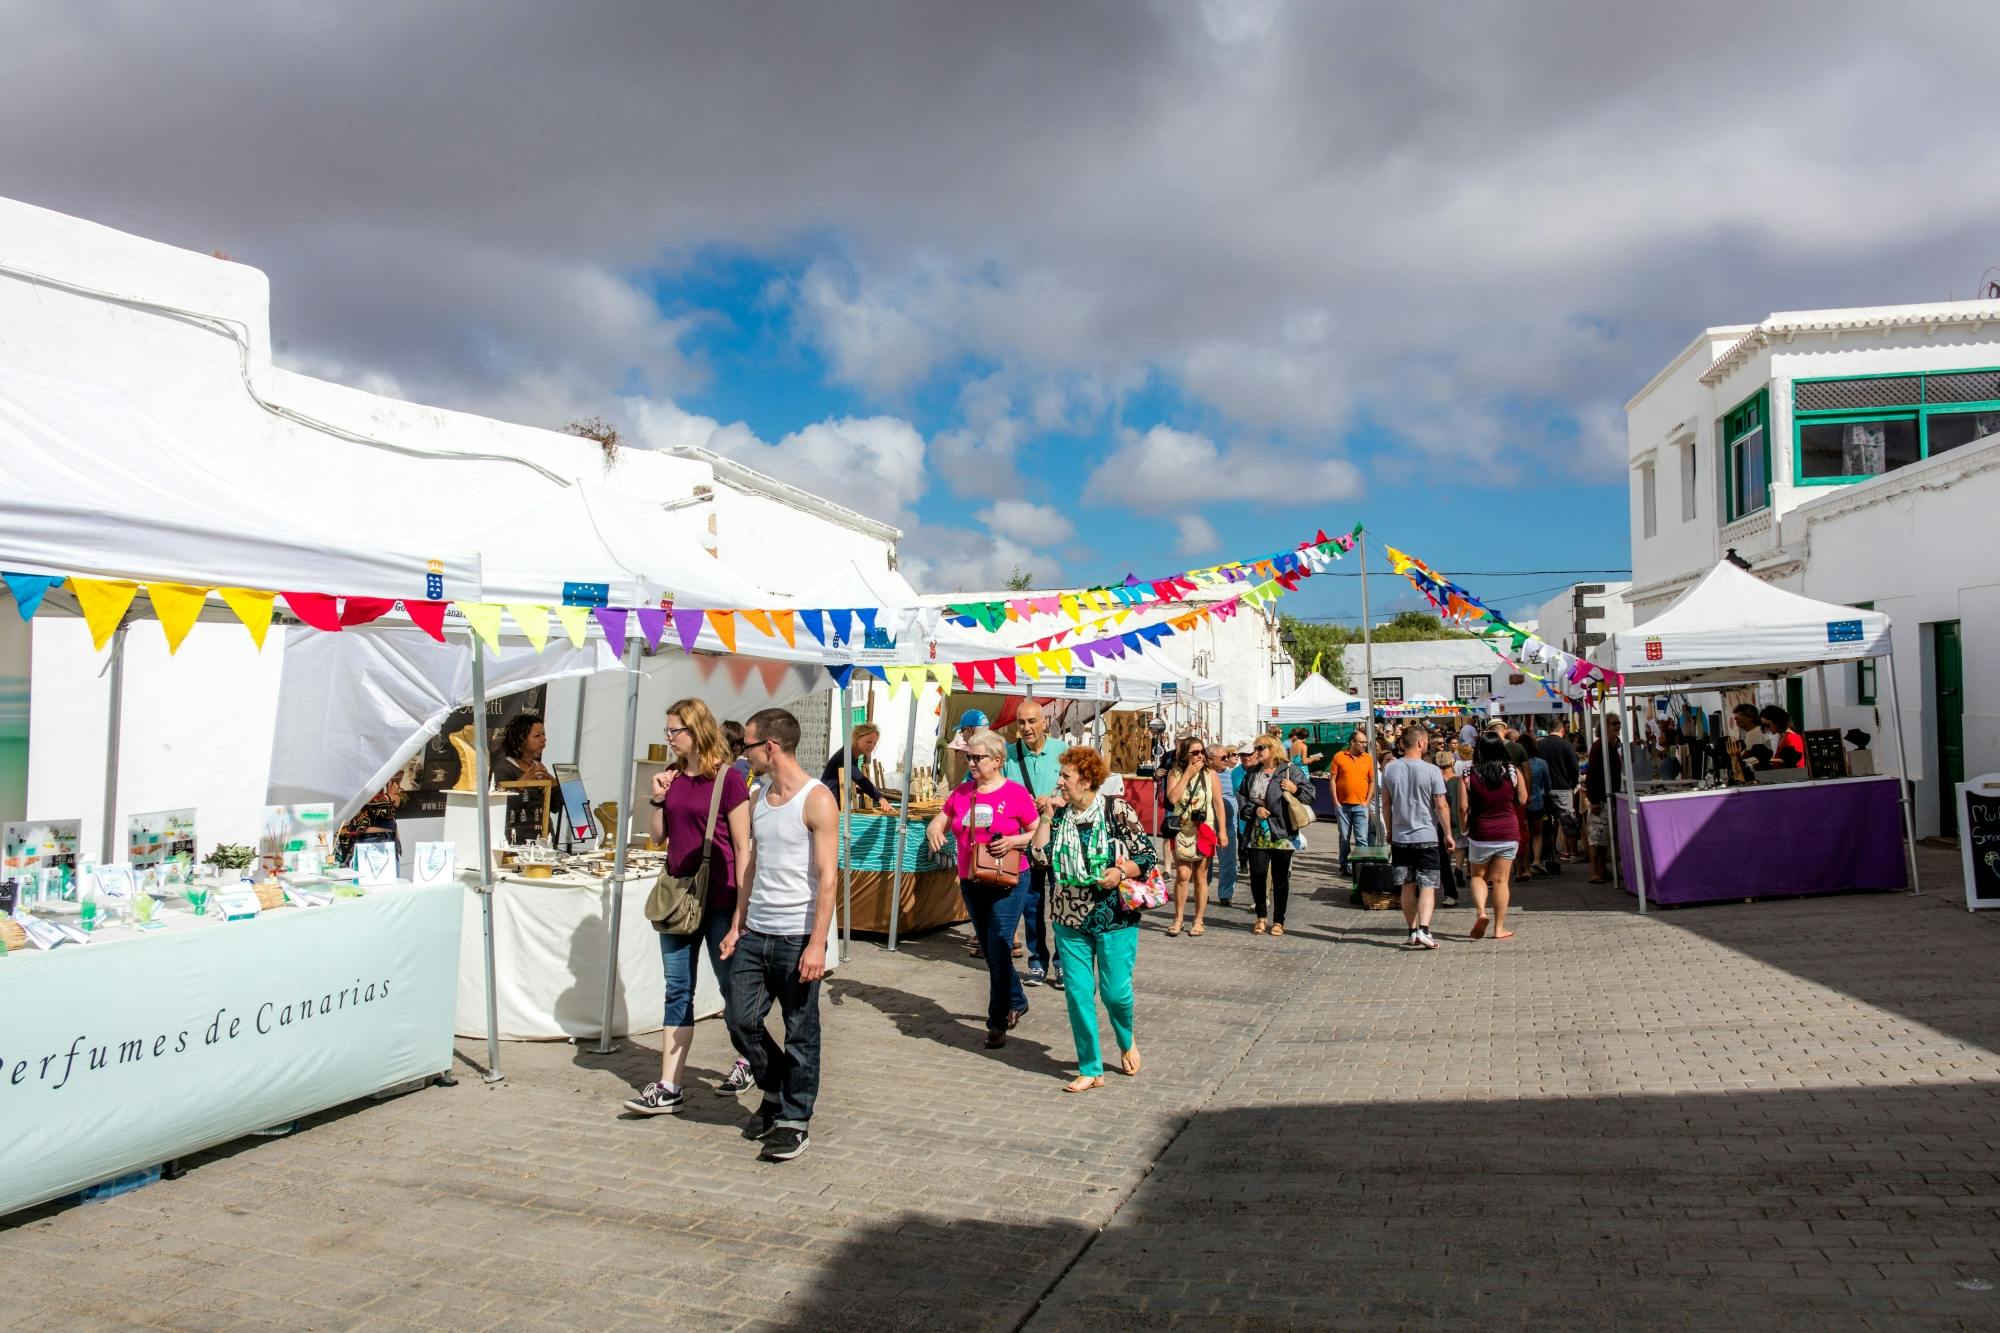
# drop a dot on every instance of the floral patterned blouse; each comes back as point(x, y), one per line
point(1091, 908)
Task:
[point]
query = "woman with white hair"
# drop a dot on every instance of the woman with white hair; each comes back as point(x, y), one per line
point(993, 820)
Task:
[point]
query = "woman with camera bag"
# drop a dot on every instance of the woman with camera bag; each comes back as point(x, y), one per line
point(1194, 798)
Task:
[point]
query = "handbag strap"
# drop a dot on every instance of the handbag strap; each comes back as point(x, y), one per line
point(714, 808)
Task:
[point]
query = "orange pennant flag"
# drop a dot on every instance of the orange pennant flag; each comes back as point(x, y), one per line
point(725, 628)
point(787, 623)
point(760, 621)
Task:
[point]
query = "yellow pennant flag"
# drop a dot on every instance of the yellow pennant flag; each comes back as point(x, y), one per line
point(484, 617)
point(941, 676)
point(253, 607)
point(534, 622)
point(104, 603)
point(1398, 561)
point(575, 621)
point(725, 627)
point(1028, 664)
point(178, 606)
point(787, 623)
point(760, 621)
point(1070, 608)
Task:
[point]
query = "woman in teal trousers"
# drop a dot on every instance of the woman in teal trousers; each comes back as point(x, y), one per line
point(1095, 843)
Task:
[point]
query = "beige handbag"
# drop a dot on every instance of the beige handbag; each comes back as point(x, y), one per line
point(676, 904)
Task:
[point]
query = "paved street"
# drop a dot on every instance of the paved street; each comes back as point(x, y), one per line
point(1779, 1114)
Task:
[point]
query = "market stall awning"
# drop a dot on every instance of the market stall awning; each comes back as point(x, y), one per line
point(1316, 699)
point(1732, 626)
point(92, 487)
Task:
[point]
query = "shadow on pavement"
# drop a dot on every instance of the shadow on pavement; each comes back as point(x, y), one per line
point(1757, 1210)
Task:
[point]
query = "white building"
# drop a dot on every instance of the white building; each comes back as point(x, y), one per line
point(1464, 669)
point(188, 339)
point(1853, 456)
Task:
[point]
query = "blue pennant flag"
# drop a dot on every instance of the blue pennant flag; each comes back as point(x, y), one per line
point(29, 589)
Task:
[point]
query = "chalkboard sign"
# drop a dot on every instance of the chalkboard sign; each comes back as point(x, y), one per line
point(1824, 756)
point(1979, 840)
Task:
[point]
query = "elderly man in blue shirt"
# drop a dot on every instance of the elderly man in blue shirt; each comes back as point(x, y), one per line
point(1032, 761)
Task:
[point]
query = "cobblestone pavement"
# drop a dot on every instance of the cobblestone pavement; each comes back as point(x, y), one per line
point(1778, 1115)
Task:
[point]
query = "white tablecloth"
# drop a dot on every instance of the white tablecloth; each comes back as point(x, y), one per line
point(550, 940)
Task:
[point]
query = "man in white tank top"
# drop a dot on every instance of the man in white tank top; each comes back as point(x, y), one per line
point(777, 944)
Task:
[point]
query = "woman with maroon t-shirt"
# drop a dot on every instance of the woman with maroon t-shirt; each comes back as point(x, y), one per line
point(1495, 794)
point(681, 799)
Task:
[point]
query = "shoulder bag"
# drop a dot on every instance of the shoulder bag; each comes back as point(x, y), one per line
point(996, 870)
point(676, 904)
point(1299, 813)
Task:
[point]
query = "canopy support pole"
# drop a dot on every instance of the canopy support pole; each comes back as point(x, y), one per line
point(115, 724)
point(1825, 705)
point(1603, 743)
point(1903, 779)
point(1368, 686)
point(483, 780)
point(1632, 803)
point(903, 815)
point(846, 825)
point(605, 1045)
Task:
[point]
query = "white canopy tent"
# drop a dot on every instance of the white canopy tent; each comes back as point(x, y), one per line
point(1733, 628)
point(1316, 699)
point(1527, 699)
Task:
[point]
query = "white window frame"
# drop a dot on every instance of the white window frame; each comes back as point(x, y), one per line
point(1649, 499)
point(1484, 690)
point(1382, 685)
point(1690, 467)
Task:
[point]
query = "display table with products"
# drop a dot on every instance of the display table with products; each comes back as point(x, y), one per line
point(140, 1046)
point(550, 941)
point(1787, 840)
point(930, 882)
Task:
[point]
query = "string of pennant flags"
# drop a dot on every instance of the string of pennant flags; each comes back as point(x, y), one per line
point(1048, 656)
point(1564, 677)
point(104, 604)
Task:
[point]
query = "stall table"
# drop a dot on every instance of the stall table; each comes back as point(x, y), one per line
point(930, 882)
point(145, 1046)
point(1783, 840)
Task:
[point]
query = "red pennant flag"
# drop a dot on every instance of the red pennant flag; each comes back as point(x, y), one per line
point(317, 609)
point(986, 671)
point(964, 670)
point(1008, 669)
point(772, 674)
point(740, 669)
point(428, 617)
point(361, 610)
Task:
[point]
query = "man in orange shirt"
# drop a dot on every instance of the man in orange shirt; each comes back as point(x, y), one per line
point(1353, 788)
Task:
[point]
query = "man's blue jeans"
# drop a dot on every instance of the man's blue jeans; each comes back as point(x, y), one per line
point(1035, 917)
point(1353, 832)
point(1224, 876)
point(765, 969)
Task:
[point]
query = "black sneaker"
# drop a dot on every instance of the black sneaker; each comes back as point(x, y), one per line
point(759, 1126)
point(1036, 976)
point(783, 1144)
point(655, 1099)
point(738, 1080)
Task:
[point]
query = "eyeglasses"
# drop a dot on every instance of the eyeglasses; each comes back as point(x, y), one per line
point(679, 731)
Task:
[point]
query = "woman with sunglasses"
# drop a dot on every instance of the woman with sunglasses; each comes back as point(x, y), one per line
point(987, 809)
point(682, 797)
point(1194, 795)
point(1267, 830)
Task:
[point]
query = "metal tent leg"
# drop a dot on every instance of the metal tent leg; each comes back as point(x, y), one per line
point(115, 727)
point(1903, 779)
point(483, 780)
point(903, 815)
point(629, 750)
point(1631, 803)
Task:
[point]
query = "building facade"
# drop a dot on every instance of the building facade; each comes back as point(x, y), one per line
point(1852, 456)
point(1459, 669)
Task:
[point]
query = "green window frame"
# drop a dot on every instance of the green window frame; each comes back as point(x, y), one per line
point(1750, 417)
point(1920, 397)
point(1864, 669)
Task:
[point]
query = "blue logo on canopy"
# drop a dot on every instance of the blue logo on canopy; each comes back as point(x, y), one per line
point(1843, 631)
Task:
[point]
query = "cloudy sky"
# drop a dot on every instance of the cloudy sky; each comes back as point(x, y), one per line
point(1078, 289)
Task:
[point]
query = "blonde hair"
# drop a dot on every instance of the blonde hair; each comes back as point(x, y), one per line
point(987, 743)
point(711, 752)
point(865, 730)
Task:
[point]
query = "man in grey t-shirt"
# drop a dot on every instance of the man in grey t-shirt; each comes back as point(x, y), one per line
point(1419, 822)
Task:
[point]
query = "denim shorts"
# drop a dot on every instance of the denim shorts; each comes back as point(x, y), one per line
point(1479, 853)
point(1418, 862)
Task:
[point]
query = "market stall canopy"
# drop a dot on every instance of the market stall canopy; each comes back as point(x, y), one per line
point(92, 487)
point(353, 708)
point(1732, 627)
point(1316, 699)
point(1526, 699)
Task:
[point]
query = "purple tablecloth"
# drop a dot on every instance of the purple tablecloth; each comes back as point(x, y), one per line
point(1787, 841)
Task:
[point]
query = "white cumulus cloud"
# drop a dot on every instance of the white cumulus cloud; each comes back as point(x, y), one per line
point(1166, 468)
point(1195, 534)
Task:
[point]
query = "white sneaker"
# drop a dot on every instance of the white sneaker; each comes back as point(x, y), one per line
point(1425, 938)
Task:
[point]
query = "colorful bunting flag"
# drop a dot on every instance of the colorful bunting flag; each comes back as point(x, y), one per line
point(312, 608)
point(253, 607)
point(611, 619)
point(104, 603)
point(687, 627)
point(724, 623)
point(484, 617)
point(575, 621)
point(360, 610)
point(534, 623)
point(178, 606)
point(29, 589)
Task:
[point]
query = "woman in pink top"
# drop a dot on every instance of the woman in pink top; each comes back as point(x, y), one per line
point(987, 808)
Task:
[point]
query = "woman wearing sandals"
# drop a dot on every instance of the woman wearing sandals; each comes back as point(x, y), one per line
point(1496, 793)
point(1095, 843)
point(1194, 794)
point(1267, 832)
point(988, 809)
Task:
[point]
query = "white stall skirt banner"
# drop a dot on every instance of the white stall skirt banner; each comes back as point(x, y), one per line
point(135, 1049)
point(550, 940)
